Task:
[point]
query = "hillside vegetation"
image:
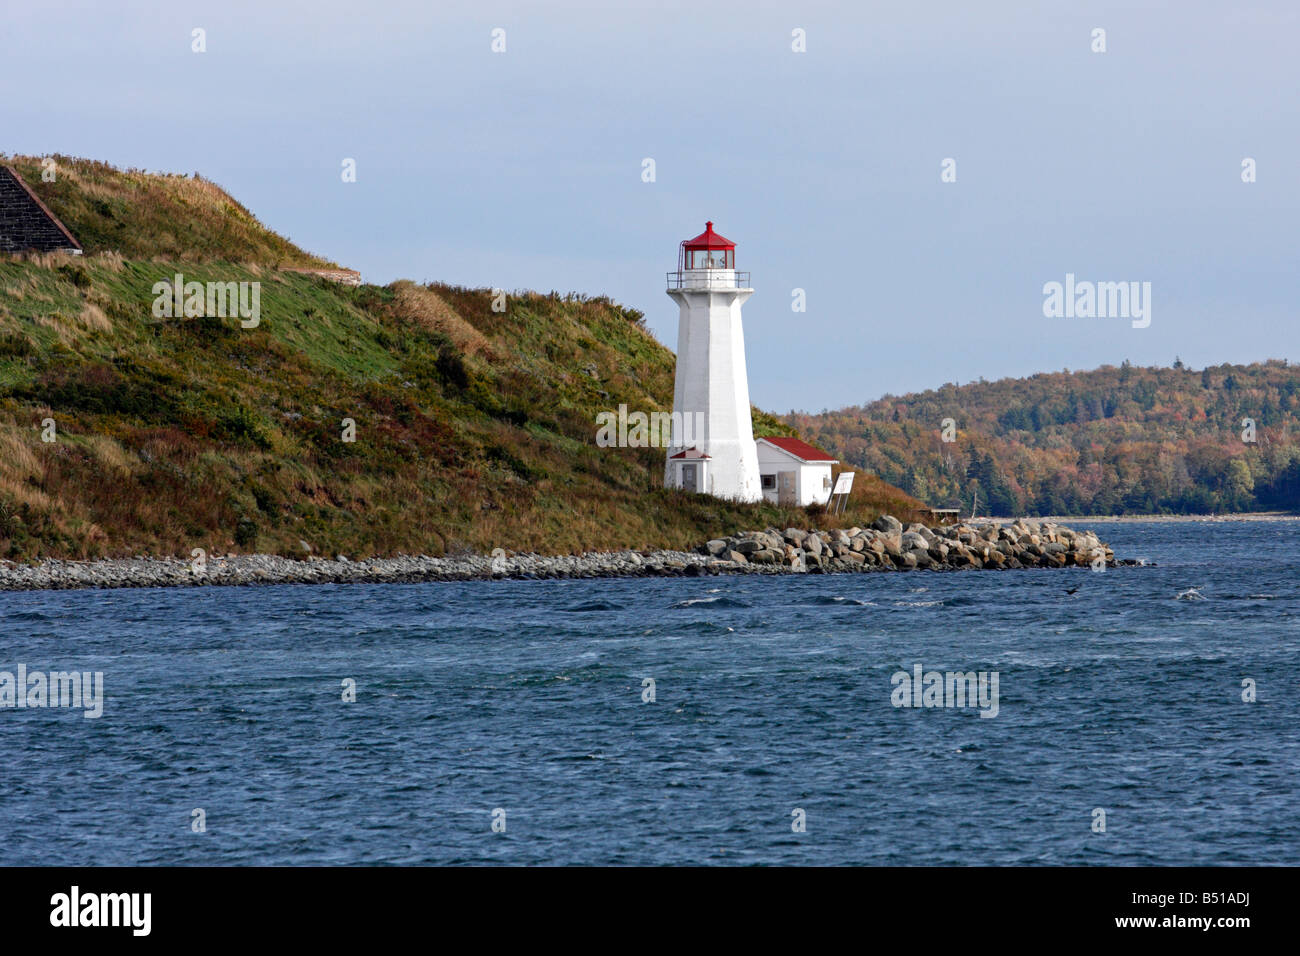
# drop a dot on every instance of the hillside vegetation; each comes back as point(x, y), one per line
point(140, 215)
point(474, 429)
point(1109, 441)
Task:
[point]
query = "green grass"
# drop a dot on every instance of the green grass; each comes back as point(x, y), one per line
point(474, 429)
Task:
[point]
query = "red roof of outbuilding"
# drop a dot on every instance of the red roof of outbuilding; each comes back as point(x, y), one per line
point(800, 449)
point(709, 239)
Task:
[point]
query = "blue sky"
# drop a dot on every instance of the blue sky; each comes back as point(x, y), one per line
point(523, 169)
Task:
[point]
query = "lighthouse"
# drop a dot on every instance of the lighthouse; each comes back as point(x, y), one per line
point(712, 448)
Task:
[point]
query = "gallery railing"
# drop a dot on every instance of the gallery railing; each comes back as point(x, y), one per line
point(708, 278)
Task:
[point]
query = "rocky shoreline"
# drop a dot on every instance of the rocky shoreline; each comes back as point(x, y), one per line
point(1229, 518)
point(886, 546)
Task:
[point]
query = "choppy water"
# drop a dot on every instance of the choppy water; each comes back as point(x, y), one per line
point(772, 694)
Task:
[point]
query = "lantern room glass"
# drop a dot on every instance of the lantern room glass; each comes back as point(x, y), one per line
point(711, 258)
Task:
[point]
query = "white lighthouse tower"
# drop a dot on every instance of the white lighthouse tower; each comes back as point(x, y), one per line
point(712, 448)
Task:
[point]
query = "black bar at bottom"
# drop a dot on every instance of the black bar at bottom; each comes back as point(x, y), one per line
point(301, 905)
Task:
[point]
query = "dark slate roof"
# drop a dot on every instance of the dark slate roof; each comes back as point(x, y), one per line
point(26, 222)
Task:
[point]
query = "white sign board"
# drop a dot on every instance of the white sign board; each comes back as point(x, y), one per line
point(843, 483)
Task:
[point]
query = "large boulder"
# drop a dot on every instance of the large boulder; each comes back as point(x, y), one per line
point(912, 540)
point(888, 524)
point(922, 530)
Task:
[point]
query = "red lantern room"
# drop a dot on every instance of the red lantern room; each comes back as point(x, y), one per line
point(708, 250)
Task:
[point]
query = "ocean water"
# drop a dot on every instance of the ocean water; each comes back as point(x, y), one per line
point(772, 695)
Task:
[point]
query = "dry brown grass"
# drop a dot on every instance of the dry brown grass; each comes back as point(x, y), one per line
point(425, 308)
point(112, 261)
point(92, 317)
point(70, 328)
point(45, 260)
point(17, 457)
point(23, 493)
point(113, 456)
point(20, 466)
point(18, 291)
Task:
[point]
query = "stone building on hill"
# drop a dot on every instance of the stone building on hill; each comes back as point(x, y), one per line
point(26, 223)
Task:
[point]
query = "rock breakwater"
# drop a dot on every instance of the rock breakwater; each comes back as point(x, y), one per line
point(887, 545)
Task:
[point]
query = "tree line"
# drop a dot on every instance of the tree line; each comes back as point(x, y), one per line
point(1114, 440)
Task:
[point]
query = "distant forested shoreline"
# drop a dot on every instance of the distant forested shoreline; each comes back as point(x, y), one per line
point(1120, 440)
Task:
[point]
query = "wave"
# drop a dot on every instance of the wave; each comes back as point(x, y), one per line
point(28, 616)
point(592, 606)
point(710, 602)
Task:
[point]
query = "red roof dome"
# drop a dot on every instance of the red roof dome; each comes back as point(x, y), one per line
point(709, 239)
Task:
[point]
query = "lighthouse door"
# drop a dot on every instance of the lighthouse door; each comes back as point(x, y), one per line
point(688, 478)
point(785, 493)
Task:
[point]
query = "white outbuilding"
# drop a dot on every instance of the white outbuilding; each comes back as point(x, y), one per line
point(793, 472)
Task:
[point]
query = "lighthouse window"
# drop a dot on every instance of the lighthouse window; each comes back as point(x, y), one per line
point(710, 259)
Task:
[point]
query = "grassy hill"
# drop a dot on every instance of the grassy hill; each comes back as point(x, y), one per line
point(1107, 441)
point(140, 215)
point(474, 429)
